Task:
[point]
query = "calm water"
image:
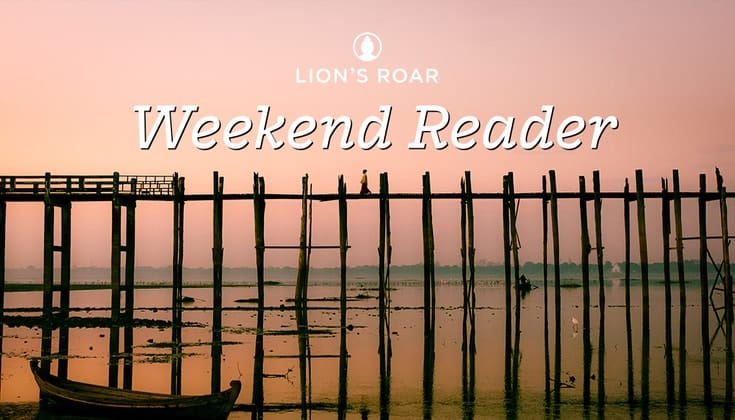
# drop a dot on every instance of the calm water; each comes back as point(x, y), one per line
point(409, 395)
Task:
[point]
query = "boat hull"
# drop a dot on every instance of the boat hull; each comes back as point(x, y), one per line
point(61, 395)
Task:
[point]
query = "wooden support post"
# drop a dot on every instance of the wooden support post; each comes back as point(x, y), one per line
point(586, 248)
point(384, 250)
point(682, 291)
point(727, 277)
point(704, 289)
point(383, 299)
point(63, 367)
point(259, 222)
point(666, 231)
point(116, 250)
point(217, 258)
point(382, 210)
point(129, 285)
point(428, 236)
point(342, 399)
point(646, 328)
point(463, 239)
point(601, 282)
point(177, 293)
point(115, 260)
point(508, 303)
point(429, 297)
point(628, 320)
point(470, 236)
point(342, 191)
point(557, 287)
point(3, 222)
point(545, 245)
point(515, 245)
point(48, 275)
point(130, 206)
point(302, 275)
point(468, 320)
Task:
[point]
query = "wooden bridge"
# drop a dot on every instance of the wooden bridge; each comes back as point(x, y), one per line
point(124, 191)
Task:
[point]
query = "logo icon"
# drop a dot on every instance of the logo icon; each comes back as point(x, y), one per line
point(367, 46)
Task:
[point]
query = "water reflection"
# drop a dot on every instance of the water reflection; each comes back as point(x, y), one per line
point(468, 353)
point(458, 374)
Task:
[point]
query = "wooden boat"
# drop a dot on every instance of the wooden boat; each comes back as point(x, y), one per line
point(524, 285)
point(93, 400)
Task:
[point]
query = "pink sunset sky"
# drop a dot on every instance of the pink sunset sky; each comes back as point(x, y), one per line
point(73, 71)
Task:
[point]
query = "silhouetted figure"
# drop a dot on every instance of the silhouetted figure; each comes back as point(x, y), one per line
point(364, 183)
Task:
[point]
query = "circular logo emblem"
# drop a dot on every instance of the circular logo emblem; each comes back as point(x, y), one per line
point(367, 46)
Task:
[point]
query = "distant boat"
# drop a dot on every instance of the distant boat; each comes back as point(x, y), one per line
point(79, 398)
point(524, 285)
